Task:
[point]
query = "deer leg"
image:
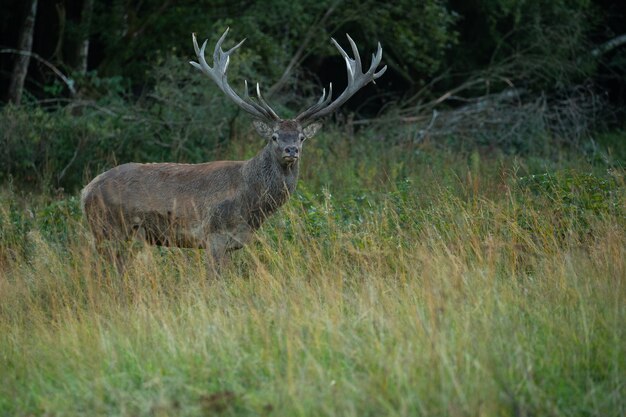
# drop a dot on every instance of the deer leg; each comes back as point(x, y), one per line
point(122, 252)
point(213, 264)
point(216, 255)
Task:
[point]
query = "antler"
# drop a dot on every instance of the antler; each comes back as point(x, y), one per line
point(260, 110)
point(356, 80)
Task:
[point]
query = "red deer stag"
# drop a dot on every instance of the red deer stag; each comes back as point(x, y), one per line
point(215, 206)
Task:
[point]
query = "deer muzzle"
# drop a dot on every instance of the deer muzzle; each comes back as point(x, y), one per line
point(291, 153)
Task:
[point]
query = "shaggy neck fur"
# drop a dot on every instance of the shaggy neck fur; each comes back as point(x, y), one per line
point(268, 186)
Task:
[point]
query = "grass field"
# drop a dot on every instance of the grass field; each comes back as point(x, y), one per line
point(394, 283)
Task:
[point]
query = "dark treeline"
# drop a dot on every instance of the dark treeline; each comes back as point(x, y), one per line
point(544, 44)
point(106, 81)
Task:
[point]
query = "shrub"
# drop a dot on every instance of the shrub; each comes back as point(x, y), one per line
point(183, 119)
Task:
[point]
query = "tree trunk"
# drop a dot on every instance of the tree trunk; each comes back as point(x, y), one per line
point(62, 18)
point(83, 47)
point(16, 87)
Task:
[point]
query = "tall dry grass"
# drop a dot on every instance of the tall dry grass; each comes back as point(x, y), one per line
point(444, 292)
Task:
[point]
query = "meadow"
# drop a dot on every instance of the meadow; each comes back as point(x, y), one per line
point(399, 280)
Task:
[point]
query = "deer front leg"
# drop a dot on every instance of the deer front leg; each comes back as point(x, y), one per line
point(220, 244)
point(216, 254)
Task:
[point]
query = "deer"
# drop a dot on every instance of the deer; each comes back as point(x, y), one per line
point(216, 206)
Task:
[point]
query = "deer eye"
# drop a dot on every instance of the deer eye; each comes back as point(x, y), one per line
point(275, 137)
point(301, 136)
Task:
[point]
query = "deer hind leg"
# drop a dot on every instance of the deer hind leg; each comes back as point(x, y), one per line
point(119, 247)
point(108, 248)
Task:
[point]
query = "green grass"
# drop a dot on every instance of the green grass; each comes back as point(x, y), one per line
point(394, 283)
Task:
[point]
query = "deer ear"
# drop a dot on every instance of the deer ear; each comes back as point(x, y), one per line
point(311, 130)
point(263, 128)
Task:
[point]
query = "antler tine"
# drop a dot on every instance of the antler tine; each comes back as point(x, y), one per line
point(221, 60)
point(264, 103)
point(200, 54)
point(261, 109)
point(347, 59)
point(376, 58)
point(357, 57)
point(218, 52)
point(356, 80)
point(322, 102)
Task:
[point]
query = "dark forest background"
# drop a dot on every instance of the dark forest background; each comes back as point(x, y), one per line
point(107, 81)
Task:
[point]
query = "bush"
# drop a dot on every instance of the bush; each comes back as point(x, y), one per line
point(576, 192)
point(183, 119)
point(572, 200)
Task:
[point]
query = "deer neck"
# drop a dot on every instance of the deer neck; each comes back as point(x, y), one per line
point(268, 185)
point(269, 176)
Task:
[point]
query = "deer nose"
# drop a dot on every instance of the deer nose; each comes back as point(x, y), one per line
point(291, 150)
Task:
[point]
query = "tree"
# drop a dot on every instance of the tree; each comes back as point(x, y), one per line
point(25, 44)
point(83, 45)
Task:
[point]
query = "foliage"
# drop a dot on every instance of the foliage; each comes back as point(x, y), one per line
point(576, 192)
point(182, 119)
point(541, 44)
point(572, 200)
point(416, 271)
point(431, 288)
point(429, 45)
point(276, 30)
point(185, 118)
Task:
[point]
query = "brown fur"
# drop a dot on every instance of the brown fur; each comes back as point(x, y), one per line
point(214, 206)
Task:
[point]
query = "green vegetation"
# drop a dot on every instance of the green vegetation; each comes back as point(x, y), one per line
point(393, 283)
point(456, 245)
